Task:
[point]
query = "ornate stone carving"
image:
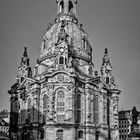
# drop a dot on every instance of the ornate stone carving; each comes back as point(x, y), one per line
point(49, 26)
point(60, 78)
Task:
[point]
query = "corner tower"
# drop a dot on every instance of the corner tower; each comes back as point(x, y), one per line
point(24, 68)
point(112, 105)
point(106, 70)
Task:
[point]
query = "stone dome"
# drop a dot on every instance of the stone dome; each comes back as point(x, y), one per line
point(72, 33)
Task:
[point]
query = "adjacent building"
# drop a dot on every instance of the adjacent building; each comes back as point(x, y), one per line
point(125, 121)
point(124, 124)
point(64, 97)
point(4, 130)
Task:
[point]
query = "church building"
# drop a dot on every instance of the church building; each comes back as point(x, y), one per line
point(64, 97)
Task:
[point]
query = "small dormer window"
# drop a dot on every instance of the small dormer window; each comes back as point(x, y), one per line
point(61, 6)
point(70, 6)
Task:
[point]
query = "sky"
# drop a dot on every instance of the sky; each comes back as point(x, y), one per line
point(112, 24)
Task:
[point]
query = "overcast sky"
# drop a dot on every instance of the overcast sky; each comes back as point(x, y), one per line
point(112, 24)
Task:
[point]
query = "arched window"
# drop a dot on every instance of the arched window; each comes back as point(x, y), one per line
point(61, 60)
point(83, 42)
point(105, 109)
point(88, 48)
point(96, 110)
point(29, 110)
point(60, 106)
point(61, 6)
point(107, 80)
point(66, 61)
point(78, 108)
point(70, 6)
point(44, 44)
point(97, 135)
point(78, 101)
point(80, 134)
point(45, 107)
point(59, 134)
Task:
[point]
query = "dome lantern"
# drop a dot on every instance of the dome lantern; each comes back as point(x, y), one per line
point(66, 7)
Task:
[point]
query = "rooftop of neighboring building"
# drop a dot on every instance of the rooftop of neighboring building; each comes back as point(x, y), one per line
point(126, 114)
point(5, 115)
point(3, 122)
point(4, 129)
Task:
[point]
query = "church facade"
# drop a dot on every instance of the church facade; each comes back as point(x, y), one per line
point(64, 97)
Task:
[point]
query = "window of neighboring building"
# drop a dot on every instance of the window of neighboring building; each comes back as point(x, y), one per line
point(45, 107)
point(59, 134)
point(60, 106)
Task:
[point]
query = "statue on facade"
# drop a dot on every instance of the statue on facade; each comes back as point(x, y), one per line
point(62, 35)
point(49, 26)
point(134, 115)
point(25, 59)
point(134, 131)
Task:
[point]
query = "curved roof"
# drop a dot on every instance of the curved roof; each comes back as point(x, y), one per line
point(76, 39)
